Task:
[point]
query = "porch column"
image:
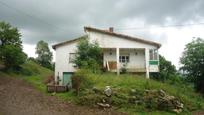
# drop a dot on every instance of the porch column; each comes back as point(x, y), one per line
point(117, 60)
point(147, 62)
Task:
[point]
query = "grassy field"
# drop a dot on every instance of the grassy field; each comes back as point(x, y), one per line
point(36, 75)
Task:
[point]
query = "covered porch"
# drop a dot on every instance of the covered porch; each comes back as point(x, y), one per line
point(134, 60)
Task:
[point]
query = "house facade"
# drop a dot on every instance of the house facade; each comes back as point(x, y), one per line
point(135, 54)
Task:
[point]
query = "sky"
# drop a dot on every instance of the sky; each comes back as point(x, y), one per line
point(173, 23)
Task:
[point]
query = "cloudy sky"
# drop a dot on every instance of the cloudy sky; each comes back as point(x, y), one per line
point(173, 23)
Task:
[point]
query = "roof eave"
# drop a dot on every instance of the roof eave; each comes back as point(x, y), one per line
point(158, 45)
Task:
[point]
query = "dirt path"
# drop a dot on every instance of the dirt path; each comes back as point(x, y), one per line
point(19, 98)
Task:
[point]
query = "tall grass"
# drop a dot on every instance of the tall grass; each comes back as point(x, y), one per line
point(185, 93)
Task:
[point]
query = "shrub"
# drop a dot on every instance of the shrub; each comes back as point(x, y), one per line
point(26, 71)
point(88, 56)
point(167, 70)
point(13, 56)
point(80, 80)
point(49, 79)
point(124, 68)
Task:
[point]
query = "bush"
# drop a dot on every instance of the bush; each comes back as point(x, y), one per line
point(29, 68)
point(124, 68)
point(80, 80)
point(167, 70)
point(49, 79)
point(26, 71)
point(88, 56)
point(12, 56)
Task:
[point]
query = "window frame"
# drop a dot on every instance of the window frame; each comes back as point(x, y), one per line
point(153, 54)
point(124, 58)
point(72, 58)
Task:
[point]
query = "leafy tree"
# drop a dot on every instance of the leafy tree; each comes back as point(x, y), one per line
point(11, 46)
point(44, 54)
point(193, 63)
point(88, 56)
point(167, 70)
point(13, 56)
point(9, 35)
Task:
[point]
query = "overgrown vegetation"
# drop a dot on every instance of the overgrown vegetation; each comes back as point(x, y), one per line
point(127, 88)
point(32, 73)
point(129, 91)
point(193, 63)
point(168, 72)
point(88, 55)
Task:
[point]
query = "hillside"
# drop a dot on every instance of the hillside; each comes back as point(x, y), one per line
point(32, 73)
point(137, 95)
point(123, 86)
point(21, 98)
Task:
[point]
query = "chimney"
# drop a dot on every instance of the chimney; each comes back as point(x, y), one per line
point(110, 29)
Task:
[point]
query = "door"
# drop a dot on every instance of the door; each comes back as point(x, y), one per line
point(67, 78)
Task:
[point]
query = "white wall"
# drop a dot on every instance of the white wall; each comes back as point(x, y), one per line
point(62, 59)
point(109, 41)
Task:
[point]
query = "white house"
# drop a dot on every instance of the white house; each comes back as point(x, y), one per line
point(139, 55)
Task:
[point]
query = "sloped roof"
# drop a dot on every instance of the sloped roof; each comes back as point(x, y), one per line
point(109, 33)
point(69, 41)
point(123, 36)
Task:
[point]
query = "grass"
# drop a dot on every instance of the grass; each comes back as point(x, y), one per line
point(36, 75)
point(186, 94)
point(128, 82)
point(32, 73)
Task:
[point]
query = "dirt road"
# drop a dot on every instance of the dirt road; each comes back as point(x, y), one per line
point(20, 98)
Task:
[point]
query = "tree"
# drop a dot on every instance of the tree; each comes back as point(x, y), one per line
point(193, 63)
point(44, 54)
point(13, 56)
point(11, 46)
point(9, 35)
point(88, 56)
point(167, 70)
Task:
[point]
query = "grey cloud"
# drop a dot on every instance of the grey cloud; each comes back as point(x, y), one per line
point(55, 21)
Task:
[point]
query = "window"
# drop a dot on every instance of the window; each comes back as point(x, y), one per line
point(124, 58)
point(72, 57)
point(153, 54)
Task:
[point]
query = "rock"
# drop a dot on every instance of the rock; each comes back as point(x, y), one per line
point(151, 91)
point(104, 105)
point(177, 110)
point(54, 93)
point(96, 90)
point(162, 100)
point(133, 91)
point(162, 92)
point(108, 91)
point(132, 99)
point(103, 100)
